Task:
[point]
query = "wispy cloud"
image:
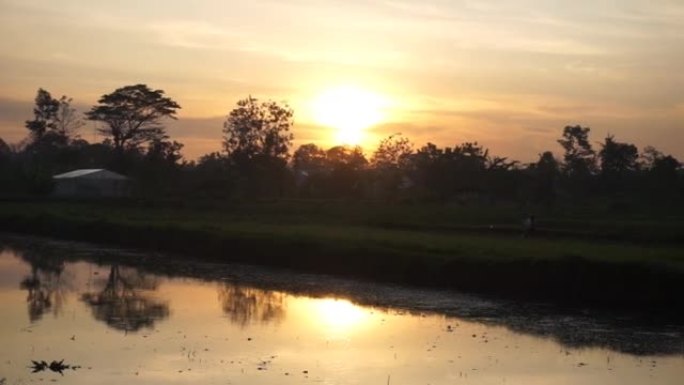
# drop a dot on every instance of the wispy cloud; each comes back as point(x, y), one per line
point(457, 68)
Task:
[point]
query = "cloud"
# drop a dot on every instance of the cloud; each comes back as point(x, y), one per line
point(195, 34)
point(506, 72)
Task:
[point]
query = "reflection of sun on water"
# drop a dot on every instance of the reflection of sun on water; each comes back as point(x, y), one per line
point(340, 314)
point(349, 110)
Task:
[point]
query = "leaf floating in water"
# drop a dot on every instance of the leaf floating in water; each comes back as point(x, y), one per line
point(39, 366)
point(55, 366)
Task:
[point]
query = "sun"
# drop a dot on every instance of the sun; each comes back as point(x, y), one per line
point(340, 314)
point(349, 110)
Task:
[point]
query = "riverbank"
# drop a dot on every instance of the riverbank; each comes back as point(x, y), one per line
point(557, 265)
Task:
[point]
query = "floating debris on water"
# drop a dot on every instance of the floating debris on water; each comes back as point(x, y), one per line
point(55, 366)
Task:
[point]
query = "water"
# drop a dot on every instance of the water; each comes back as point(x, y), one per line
point(166, 321)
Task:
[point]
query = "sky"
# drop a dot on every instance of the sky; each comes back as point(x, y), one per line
point(508, 74)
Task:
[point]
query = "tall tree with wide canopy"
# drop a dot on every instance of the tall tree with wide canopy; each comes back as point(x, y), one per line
point(132, 115)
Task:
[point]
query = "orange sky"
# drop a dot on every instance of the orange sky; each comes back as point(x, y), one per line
point(509, 74)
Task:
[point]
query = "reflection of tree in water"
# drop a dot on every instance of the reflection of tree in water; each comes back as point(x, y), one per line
point(245, 305)
point(45, 285)
point(123, 304)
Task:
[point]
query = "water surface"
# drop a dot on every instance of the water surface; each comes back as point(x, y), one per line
point(133, 318)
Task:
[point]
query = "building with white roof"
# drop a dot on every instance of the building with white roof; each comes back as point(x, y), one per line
point(91, 183)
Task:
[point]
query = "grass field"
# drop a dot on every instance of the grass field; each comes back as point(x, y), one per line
point(575, 255)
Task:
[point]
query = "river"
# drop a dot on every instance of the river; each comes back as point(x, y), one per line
point(109, 316)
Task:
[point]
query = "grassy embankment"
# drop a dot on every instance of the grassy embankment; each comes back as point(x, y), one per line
point(621, 260)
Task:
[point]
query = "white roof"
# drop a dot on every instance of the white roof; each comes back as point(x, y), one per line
point(90, 173)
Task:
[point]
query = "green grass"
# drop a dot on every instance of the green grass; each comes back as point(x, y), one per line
point(429, 231)
point(627, 260)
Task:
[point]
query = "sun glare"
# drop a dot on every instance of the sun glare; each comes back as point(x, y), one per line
point(340, 314)
point(348, 110)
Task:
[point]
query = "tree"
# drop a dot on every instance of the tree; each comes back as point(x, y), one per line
point(654, 160)
point(579, 156)
point(55, 117)
point(309, 164)
point(393, 152)
point(467, 164)
point(164, 151)
point(309, 159)
point(210, 178)
point(662, 170)
point(5, 149)
point(346, 158)
point(391, 162)
point(256, 141)
point(427, 170)
point(132, 115)
point(345, 165)
point(257, 128)
point(44, 114)
point(618, 158)
point(545, 172)
point(67, 121)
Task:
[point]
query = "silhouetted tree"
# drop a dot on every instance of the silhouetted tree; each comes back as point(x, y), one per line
point(211, 177)
point(256, 128)
point(309, 164)
point(618, 158)
point(498, 163)
point(579, 163)
point(467, 163)
point(619, 162)
point(427, 169)
point(95, 155)
point(158, 169)
point(44, 114)
point(132, 115)
point(53, 117)
point(67, 120)
point(546, 172)
point(342, 173)
point(390, 163)
point(5, 150)
point(663, 179)
point(502, 179)
point(257, 140)
point(579, 158)
point(164, 152)
point(392, 152)
point(309, 159)
point(654, 160)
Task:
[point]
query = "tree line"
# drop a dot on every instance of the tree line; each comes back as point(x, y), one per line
point(258, 160)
